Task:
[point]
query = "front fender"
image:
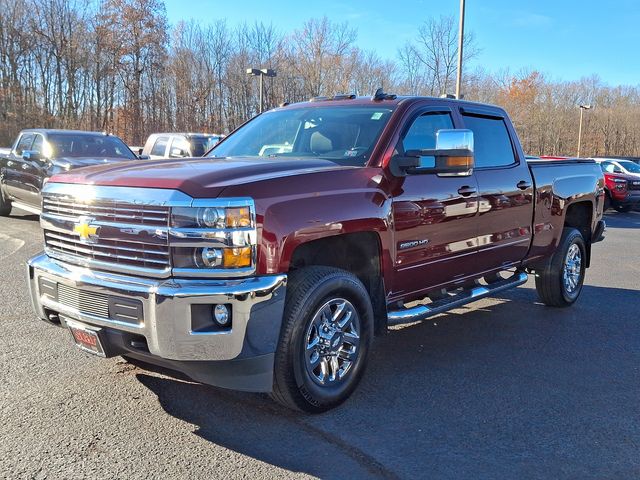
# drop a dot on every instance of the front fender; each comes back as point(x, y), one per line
point(292, 222)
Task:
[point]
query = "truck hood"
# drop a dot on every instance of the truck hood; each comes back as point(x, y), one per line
point(198, 177)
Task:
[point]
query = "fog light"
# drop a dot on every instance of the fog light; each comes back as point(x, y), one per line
point(221, 315)
point(211, 257)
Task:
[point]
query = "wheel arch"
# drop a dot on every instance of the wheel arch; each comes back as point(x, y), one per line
point(579, 215)
point(360, 253)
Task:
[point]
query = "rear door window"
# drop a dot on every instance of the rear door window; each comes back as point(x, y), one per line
point(38, 144)
point(492, 144)
point(160, 146)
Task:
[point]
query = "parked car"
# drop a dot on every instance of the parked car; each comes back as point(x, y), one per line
point(178, 145)
point(273, 272)
point(37, 154)
point(622, 178)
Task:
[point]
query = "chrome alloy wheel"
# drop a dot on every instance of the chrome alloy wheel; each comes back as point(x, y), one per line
point(572, 269)
point(332, 342)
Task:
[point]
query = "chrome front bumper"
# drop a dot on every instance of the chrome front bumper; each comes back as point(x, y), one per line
point(257, 305)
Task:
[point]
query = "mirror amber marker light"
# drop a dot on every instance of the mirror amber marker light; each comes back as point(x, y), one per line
point(459, 161)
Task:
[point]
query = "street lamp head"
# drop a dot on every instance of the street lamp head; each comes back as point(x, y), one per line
point(256, 72)
point(585, 107)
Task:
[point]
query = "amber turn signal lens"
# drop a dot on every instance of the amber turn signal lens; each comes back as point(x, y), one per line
point(237, 257)
point(238, 217)
point(459, 162)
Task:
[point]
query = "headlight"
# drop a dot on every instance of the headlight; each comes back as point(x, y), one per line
point(213, 238)
point(211, 217)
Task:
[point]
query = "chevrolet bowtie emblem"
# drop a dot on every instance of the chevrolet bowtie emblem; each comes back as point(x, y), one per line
point(84, 230)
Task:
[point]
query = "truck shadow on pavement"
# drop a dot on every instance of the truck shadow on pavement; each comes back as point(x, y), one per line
point(506, 388)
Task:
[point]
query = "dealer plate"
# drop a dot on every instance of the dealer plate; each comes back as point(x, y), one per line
point(86, 338)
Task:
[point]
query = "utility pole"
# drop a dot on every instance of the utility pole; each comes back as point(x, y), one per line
point(460, 47)
point(582, 109)
point(261, 72)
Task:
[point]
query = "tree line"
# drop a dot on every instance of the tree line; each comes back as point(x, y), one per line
point(119, 66)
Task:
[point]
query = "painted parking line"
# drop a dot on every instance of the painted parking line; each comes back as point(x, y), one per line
point(9, 245)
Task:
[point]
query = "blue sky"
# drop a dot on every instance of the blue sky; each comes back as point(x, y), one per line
point(565, 39)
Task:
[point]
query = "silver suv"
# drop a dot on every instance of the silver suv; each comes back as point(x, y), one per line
point(178, 145)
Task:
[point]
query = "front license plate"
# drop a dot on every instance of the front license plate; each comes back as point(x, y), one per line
point(86, 338)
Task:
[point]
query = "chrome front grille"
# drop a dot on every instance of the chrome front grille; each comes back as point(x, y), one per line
point(86, 302)
point(117, 252)
point(128, 230)
point(117, 229)
point(108, 211)
point(633, 184)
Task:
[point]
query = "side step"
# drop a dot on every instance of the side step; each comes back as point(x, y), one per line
point(420, 312)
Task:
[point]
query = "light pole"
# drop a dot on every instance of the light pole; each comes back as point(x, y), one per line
point(261, 72)
point(582, 109)
point(460, 45)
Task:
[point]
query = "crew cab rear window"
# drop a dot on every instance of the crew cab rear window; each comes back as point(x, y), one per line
point(492, 145)
point(160, 146)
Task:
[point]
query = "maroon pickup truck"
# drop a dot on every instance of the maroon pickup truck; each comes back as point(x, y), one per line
point(272, 263)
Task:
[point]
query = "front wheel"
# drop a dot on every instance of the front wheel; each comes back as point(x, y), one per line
point(326, 335)
point(560, 281)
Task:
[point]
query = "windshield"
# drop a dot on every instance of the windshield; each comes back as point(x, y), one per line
point(345, 135)
point(78, 145)
point(630, 166)
point(199, 145)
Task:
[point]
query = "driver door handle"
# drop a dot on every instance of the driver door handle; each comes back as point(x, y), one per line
point(523, 185)
point(466, 191)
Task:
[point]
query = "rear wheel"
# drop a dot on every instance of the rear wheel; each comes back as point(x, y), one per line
point(326, 335)
point(5, 205)
point(560, 281)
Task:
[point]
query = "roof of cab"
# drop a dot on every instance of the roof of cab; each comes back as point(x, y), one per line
point(46, 131)
point(393, 100)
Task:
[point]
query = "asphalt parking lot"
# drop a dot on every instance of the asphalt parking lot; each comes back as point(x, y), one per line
point(505, 388)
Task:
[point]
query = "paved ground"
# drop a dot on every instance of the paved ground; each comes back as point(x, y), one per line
point(504, 389)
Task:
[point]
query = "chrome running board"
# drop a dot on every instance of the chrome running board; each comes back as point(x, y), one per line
point(420, 312)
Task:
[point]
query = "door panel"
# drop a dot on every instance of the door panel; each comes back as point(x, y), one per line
point(505, 193)
point(435, 232)
point(506, 215)
point(434, 218)
point(34, 171)
point(16, 169)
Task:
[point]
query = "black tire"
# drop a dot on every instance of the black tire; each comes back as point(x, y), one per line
point(5, 205)
point(623, 208)
point(308, 290)
point(550, 280)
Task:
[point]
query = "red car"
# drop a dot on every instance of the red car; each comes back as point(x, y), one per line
point(622, 179)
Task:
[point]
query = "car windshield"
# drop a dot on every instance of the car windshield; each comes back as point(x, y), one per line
point(200, 145)
point(345, 134)
point(630, 166)
point(78, 145)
